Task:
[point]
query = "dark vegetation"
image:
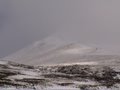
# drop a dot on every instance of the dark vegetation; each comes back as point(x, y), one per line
point(104, 75)
point(33, 81)
point(21, 65)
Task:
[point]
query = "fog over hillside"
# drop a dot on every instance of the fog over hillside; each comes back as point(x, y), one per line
point(53, 50)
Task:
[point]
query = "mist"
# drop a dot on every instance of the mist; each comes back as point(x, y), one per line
point(90, 22)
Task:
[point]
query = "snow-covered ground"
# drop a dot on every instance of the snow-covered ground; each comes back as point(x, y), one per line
point(14, 76)
point(54, 64)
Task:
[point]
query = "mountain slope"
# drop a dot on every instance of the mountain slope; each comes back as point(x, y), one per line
point(51, 51)
point(54, 64)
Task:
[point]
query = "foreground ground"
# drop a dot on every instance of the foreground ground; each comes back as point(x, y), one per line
point(15, 76)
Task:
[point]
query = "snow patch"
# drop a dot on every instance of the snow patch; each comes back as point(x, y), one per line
point(30, 73)
point(21, 77)
point(77, 49)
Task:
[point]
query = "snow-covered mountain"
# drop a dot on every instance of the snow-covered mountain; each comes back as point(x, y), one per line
point(56, 64)
point(51, 51)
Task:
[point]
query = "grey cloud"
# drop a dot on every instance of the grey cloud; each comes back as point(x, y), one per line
point(87, 21)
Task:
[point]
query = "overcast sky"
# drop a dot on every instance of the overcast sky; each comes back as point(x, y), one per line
point(87, 21)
